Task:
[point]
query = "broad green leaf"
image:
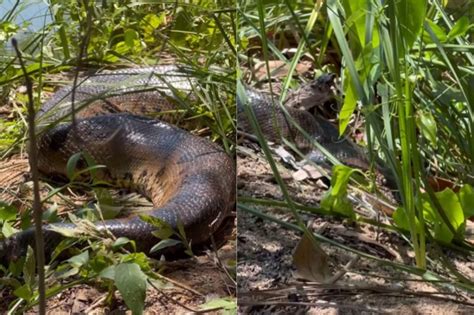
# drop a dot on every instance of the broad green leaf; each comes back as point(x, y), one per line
point(120, 242)
point(24, 292)
point(140, 259)
point(150, 23)
point(411, 14)
point(7, 212)
point(357, 13)
point(427, 125)
point(451, 206)
point(466, 197)
point(63, 245)
point(8, 230)
point(79, 260)
point(437, 30)
point(460, 28)
point(164, 244)
point(108, 273)
point(335, 199)
point(163, 234)
point(72, 271)
point(430, 276)
point(130, 37)
point(131, 283)
point(400, 219)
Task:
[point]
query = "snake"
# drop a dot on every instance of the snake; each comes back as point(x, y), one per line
point(292, 120)
point(189, 179)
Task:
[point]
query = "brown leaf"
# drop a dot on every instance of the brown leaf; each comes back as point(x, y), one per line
point(279, 69)
point(310, 261)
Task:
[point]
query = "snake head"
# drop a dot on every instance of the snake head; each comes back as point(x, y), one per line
point(314, 93)
point(14, 247)
point(324, 81)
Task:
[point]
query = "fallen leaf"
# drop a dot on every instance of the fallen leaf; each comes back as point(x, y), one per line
point(310, 261)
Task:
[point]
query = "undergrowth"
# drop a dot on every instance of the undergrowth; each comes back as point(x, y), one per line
point(407, 68)
point(92, 36)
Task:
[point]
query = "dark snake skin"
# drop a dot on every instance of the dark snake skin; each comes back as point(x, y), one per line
point(275, 124)
point(189, 179)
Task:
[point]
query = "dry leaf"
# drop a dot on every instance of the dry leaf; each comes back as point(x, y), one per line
point(310, 261)
point(279, 69)
point(300, 175)
point(286, 156)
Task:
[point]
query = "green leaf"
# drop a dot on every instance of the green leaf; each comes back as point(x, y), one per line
point(427, 124)
point(437, 30)
point(451, 206)
point(72, 165)
point(108, 273)
point(7, 212)
point(228, 304)
point(11, 282)
point(430, 276)
point(350, 103)
point(466, 197)
point(164, 244)
point(360, 18)
point(400, 219)
point(79, 260)
point(182, 232)
point(131, 283)
point(51, 214)
point(411, 14)
point(8, 230)
point(29, 268)
point(159, 223)
point(163, 234)
point(140, 259)
point(120, 242)
point(335, 199)
point(130, 37)
point(460, 28)
point(24, 292)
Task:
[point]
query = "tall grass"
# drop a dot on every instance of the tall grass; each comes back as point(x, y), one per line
point(406, 66)
point(90, 35)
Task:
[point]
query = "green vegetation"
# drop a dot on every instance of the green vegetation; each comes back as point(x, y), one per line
point(407, 67)
point(90, 35)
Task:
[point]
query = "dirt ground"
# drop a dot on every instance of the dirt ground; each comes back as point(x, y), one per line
point(188, 284)
point(192, 282)
point(267, 279)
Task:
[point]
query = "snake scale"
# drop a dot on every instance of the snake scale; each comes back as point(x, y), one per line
point(275, 124)
point(189, 179)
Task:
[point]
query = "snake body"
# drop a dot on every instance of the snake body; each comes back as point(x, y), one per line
point(189, 179)
point(277, 122)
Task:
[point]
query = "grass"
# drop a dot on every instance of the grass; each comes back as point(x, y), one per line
point(89, 36)
point(405, 67)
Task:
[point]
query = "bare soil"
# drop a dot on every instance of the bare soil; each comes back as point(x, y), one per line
point(267, 279)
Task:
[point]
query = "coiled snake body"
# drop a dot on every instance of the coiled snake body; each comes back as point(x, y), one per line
point(188, 178)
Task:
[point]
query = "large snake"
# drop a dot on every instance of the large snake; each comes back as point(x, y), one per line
point(287, 121)
point(189, 179)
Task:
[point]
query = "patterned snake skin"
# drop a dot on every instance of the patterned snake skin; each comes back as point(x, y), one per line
point(189, 179)
point(275, 124)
